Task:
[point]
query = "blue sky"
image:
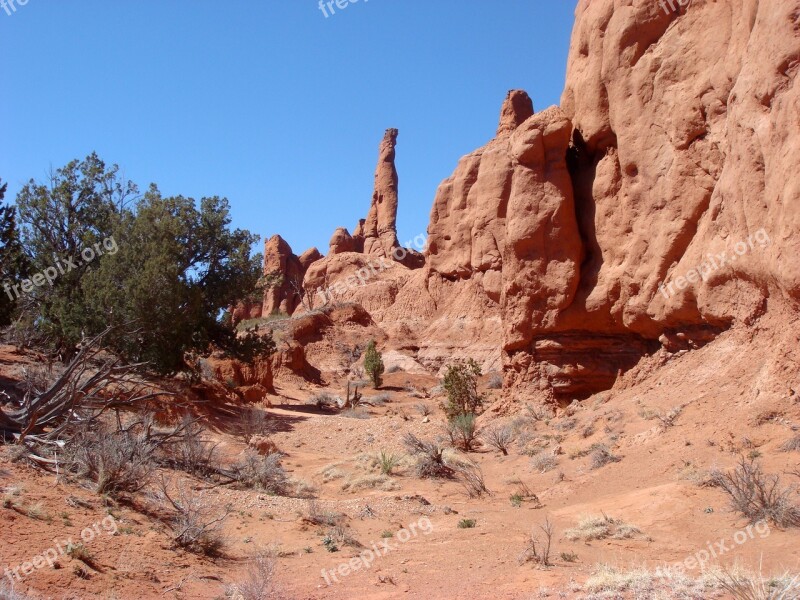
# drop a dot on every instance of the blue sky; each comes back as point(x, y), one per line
point(268, 102)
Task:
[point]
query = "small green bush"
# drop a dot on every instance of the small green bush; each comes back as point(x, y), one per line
point(466, 523)
point(461, 384)
point(373, 364)
point(462, 431)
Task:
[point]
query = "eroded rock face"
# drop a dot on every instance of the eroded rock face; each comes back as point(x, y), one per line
point(668, 216)
point(517, 108)
point(309, 257)
point(341, 241)
point(685, 142)
point(380, 227)
point(655, 208)
point(280, 261)
point(504, 239)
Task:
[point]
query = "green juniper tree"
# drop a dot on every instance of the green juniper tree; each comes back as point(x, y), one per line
point(75, 209)
point(178, 267)
point(373, 364)
point(12, 260)
point(165, 269)
point(461, 385)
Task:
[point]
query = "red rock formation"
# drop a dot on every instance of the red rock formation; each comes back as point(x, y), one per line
point(251, 382)
point(341, 241)
point(681, 140)
point(309, 257)
point(279, 261)
point(517, 108)
point(654, 209)
point(380, 227)
point(358, 235)
point(245, 310)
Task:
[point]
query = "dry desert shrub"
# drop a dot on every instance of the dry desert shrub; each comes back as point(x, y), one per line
point(791, 445)
point(116, 462)
point(566, 425)
point(339, 535)
point(189, 451)
point(600, 528)
point(252, 422)
point(462, 431)
point(495, 381)
point(196, 522)
point(262, 472)
point(332, 472)
point(258, 582)
point(601, 456)
point(544, 461)
point(379, 399)
point(317, 516)
point(500, 437)
point(423, 409)
point(667, 419)
point(430, 457)
point(470, 476)
point(522, 493)
point(759, 496)
point(324, 401)
point(539, 545)
point(7, 592)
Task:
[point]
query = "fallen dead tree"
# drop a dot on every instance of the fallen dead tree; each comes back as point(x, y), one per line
point(91, 385)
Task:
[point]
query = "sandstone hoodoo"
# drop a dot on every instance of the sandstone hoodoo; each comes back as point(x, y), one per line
point(341, 241)
point(517, 108)
point(284, 272)
point(380, 227)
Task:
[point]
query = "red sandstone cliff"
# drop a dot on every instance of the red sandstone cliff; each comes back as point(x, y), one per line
point(654, 209)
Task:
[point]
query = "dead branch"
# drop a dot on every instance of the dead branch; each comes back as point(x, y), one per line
point(86, 389)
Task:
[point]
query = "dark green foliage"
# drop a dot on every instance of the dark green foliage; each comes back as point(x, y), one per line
point(76, 209)
point(461, 385)
point(177, 267)
point(373, 364)
point(165, 269)
point(12, 260)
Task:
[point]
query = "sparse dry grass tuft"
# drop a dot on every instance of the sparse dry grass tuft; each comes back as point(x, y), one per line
point(370, 481)
point(544, 461)
point(791, 445)
point(600, 528)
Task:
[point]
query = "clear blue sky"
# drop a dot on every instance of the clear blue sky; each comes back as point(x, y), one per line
point(269, 103)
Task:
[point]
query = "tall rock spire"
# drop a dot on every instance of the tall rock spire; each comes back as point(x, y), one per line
point(380, 228)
